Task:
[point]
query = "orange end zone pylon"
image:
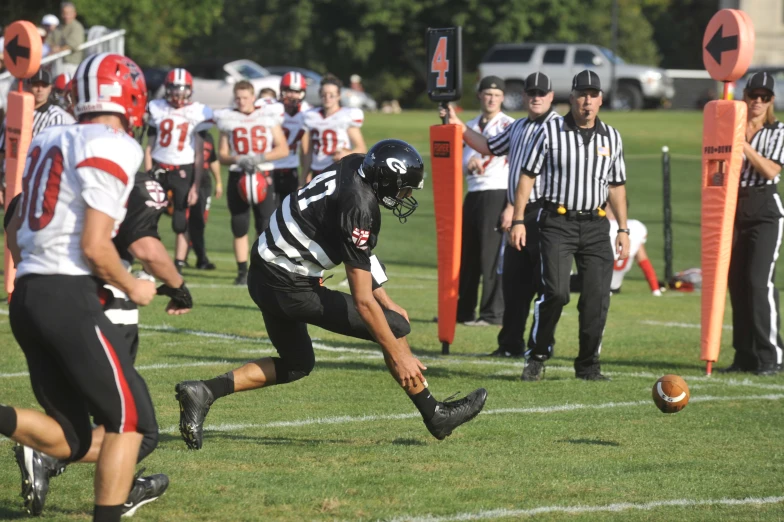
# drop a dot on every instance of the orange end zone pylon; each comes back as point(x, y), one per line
point(724, 132)
point(446, 152)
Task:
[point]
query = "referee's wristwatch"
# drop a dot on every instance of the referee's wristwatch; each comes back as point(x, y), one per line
point(624, 230)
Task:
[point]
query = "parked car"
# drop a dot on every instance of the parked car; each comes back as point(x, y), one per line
point(213, 82)
point(348, 97)
point(778, 87)
point(638, 86)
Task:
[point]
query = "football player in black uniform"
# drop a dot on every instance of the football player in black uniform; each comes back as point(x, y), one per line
point(137, 238)
point(334, 219)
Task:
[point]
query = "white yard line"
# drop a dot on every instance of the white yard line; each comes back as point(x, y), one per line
point(494, 514)
point(347, 419)
point(680, 325)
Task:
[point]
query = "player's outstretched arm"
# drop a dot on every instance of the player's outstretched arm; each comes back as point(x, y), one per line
point(404, 366)
point(473, 139)
point(104, 260)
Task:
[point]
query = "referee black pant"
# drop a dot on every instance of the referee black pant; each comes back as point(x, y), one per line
point(522, 280)
point(562, 239)
point(759, 219)
point(480, 256)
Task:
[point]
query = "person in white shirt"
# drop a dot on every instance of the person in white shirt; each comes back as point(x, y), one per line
point(487, 178)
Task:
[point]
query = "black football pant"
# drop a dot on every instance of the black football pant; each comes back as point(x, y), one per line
point(521, 281)
point(287, 314)
point(587, 242)
point(177, 183)
point(197, 221)
point(759, 219)
point(480, 257)
point(79, 362)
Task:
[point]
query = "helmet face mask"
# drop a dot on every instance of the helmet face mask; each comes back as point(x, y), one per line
point(178, 95)
point(394, 170)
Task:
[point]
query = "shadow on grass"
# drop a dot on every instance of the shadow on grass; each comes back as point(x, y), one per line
point(409, 442)
point(16, 512)
point(593, 442)
point(639, 365)
point(215, 437)
point(230, 306)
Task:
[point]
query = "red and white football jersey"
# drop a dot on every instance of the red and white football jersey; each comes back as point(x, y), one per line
point(330, 134)
point(294, 129)
point(496, 168)
point(638, 235)
point(68, 169)
point(176, 130)
point(250, 133)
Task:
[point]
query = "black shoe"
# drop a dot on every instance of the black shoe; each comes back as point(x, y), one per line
point(144, 491)
point(500, 352)
point(206, 265)
point(768, 371)
point(36, 468)
point(195, 400)
point(242, 279)
point(734, 368)
point(533, 371)
point(450, 415)
point(595, 375)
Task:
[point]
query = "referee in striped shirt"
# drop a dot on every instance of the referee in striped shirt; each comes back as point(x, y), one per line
point(759, 225)
point(521, 277)
point(45, 114)
point(581, 161)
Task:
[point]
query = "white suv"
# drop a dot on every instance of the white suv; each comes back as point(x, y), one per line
point(638, 86)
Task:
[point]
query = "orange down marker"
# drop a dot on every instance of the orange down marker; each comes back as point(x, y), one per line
point(728, 46)
point(22, 57)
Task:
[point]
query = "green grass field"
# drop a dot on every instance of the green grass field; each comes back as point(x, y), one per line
point(346, 443)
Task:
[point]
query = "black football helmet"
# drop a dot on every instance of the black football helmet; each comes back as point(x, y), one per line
point(394, 170)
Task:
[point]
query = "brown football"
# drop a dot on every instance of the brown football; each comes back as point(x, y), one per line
point(671, 394)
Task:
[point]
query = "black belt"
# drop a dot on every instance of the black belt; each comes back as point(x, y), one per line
point(574, 215)
point(744, 192)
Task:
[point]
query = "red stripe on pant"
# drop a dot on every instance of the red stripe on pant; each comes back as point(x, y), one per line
point(131, 417)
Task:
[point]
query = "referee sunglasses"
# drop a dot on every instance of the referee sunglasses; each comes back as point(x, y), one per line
point(762, 95)
point(535, 93)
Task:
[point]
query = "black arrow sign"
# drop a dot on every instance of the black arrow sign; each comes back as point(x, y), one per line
point(15, 50)
point(719, 44)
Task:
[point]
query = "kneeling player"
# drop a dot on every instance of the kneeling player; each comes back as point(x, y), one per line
point(334, 219)
point(250, 137)
point(137, 238)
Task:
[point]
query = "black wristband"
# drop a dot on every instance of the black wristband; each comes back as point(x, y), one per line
point(624, 230)
point(518, 222)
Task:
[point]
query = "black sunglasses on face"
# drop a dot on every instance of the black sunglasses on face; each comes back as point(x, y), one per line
point(535, 93)
point(765, 97)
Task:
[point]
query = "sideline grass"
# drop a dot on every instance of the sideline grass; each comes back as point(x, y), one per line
point(561, 443)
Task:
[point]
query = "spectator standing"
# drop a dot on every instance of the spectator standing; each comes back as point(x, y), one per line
point(67, 36)
point(759, 221)
point(581, 159)
point(49, 23)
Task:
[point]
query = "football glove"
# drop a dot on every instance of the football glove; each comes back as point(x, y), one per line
point(180, 297)
point(249, 161)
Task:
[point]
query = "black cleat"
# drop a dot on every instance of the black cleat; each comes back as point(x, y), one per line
point(500, 352)
point(450, 415)
point(195, 400)
point(533, 371)
point(241, 279)
point(143, 491)
point(36, 468)
point(205, 265)
point(593, 376)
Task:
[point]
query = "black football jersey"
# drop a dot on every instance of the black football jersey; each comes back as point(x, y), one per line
point(334, 219)
point(146, 203)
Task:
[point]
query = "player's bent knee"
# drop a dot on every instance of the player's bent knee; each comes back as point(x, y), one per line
point(240, 223)
point(560, 298)
point(288, 370)
point(398, 324)
point(179, 222)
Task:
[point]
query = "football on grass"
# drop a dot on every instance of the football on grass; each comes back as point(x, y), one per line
point(671, 394)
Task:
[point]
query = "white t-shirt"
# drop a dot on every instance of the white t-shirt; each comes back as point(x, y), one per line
point(70, 168)
point(176, 130)
point(250, 133)
point(638, 235)
point(329, 134)
point(496, 173)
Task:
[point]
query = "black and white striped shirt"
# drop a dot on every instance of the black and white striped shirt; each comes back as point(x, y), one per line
point(576, 174)
point(47, 115)
point(513, 142)
point(769, 142)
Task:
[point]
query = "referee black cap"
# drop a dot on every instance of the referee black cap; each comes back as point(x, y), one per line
point(41, 76)
point(538, 82)
point(760, 80)
point(491, 82)
point(586, 80)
